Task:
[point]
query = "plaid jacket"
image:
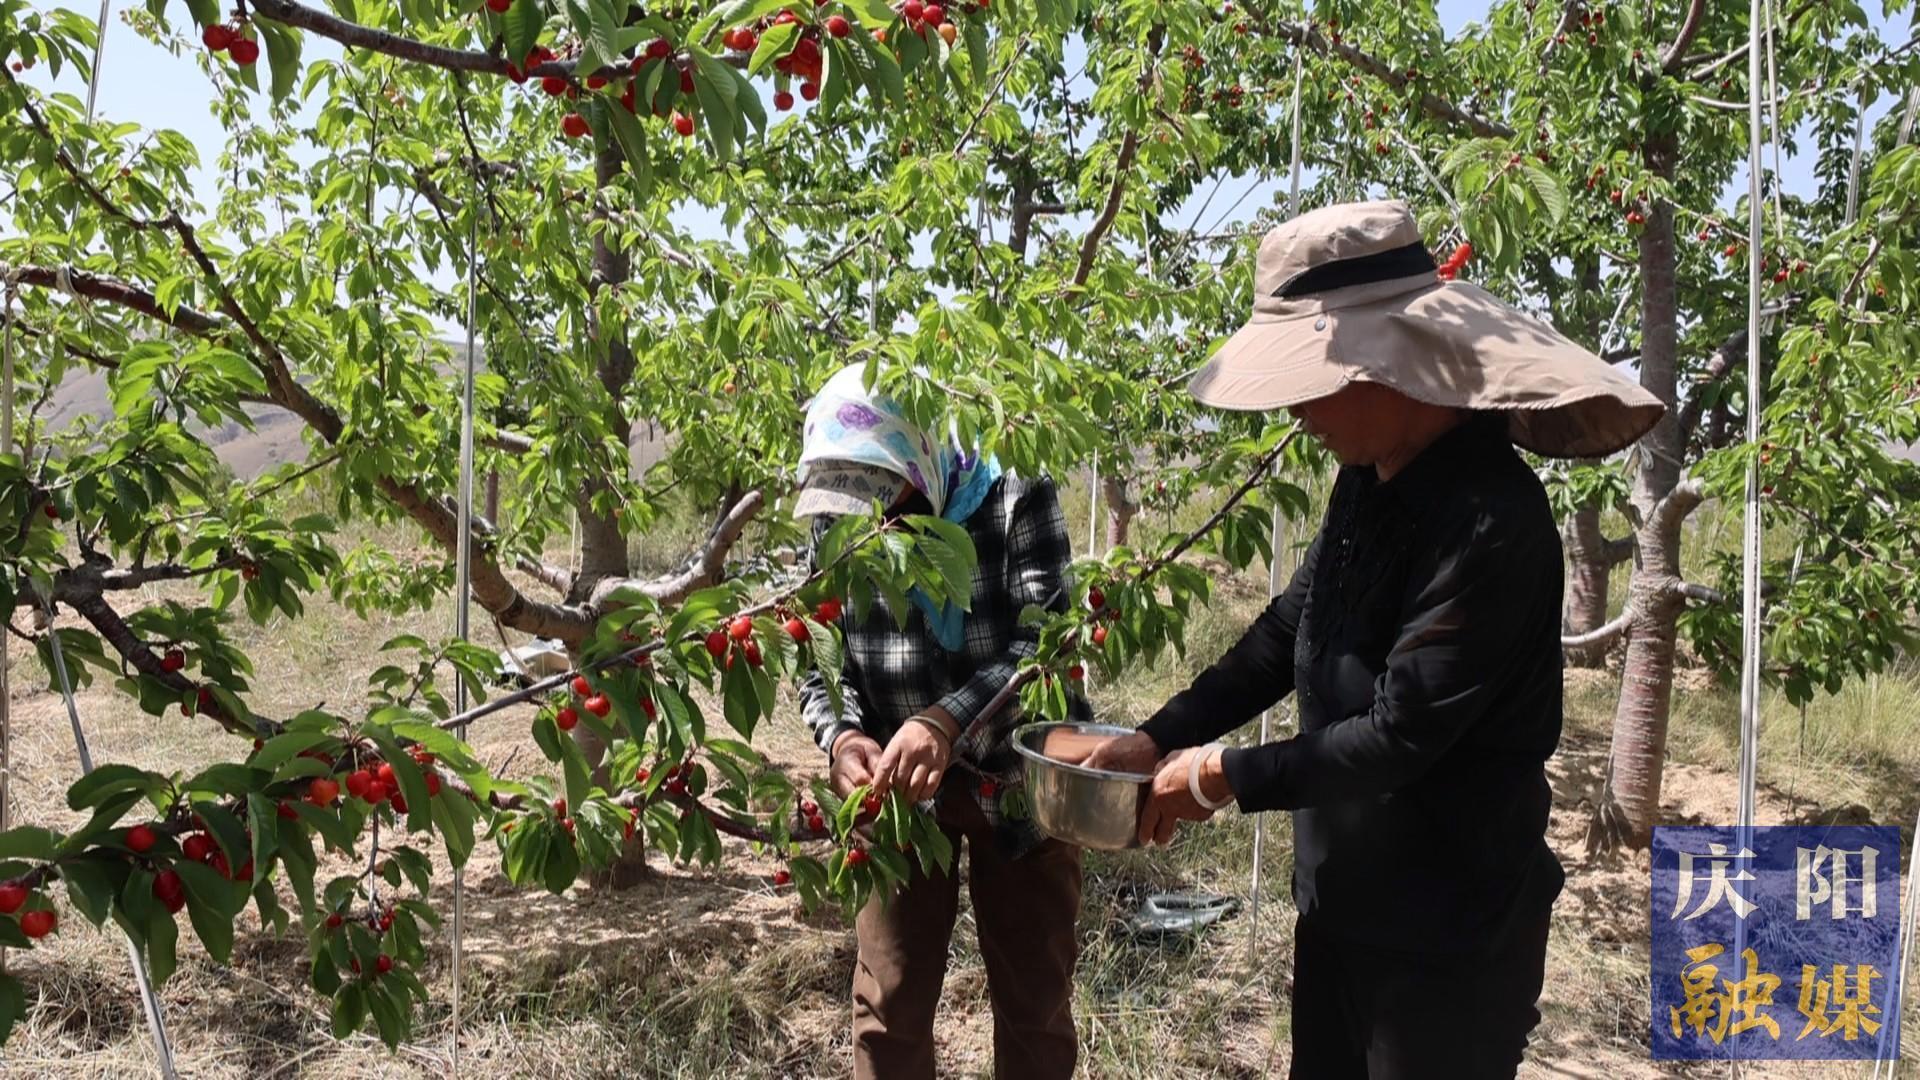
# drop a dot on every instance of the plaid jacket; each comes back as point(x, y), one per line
point(1022, 549)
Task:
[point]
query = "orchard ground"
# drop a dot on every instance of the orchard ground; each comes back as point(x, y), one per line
point(694, 973)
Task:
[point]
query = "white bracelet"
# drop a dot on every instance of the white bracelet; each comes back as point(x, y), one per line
point(1193, 779)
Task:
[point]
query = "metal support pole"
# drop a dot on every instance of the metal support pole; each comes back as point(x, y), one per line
point(1750, 528)
point(150, 1003)
point(463, 559)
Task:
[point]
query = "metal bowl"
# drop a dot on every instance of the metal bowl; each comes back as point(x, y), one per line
point(1087, 807)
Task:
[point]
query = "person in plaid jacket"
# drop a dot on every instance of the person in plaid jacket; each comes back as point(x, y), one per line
point(911, 703)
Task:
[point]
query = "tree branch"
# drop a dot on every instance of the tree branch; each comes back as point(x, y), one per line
point(1689, 29)
point(708, 562)
point(1681, 501)
point(1601, 634)
point(1432, 104)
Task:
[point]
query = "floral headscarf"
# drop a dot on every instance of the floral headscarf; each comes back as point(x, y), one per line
point(847, 422)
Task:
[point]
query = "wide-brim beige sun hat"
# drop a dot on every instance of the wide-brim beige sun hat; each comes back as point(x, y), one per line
point(1350, 293)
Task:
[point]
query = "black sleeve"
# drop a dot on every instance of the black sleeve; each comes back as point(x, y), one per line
point(1466, 605)
point(1254, 674)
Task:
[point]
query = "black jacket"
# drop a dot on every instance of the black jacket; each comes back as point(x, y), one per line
point(1422, 635)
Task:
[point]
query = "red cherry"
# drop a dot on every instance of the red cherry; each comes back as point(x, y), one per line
point(782, 100)
point(358, 783)
point(647, 706)
point(168, 884)
point(1732, 250)
point(1635, 217)
point(433, 784)
point(781, 877)
point(140, 839)
point(197, 847)
point(745, 40)
point(566, 718)
point(717, 644)
point(205, 698)
point(740, 629)
point(810, 91)
point(216, 38)
point(12, 896)
point(244, 51)
point(285, 810)
point(553, 85)
point(686, 80)
point(37, 924)
point(632, 825)
point(797, 629)
point(596, 82)
point(1099, 635)
point(376, 792)
point(220, 865)
point(913, 11)
point(499, 7)
point(574, 125)
point(933, 13)
point(856, 856)
point(383, 963)
point(683, 124)
point(334, 920)
point(385, 775)
point(567, 824)
point(626, 98)
point(515, 74)
point(809, 807)
point(581, 687)
point(817, 823)
point(354, 963)
point(1076, 673)
point(752, 651)
point(659, 49)
point(1593, 39)
point(829, 610)
point(837, 26)
point(598, 705)
point(53, 512)
point(245, 873)
point(174, 660)
point(559, 808)
point(870, 805)
point(1096, 599)
point(640, 775)
point(784, 18)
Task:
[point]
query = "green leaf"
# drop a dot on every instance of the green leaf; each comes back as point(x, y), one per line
point(13, 1004)
point(546, 735)
point(562, 864)
point(226, 830)
point(453, 817)
point(266, 837)
point(633, 142)
point(105, 780)
point(578, 776)
point(90, 885)
point(163, 936)
point(387, 1016)
point(285, 747)
point(350, 1004)
point(713, 87)
point(774, 44)
point(1547, 186)
point(327, 823)
point(833, 77)
point(283, 56)
point(28, 842)
point(296, 854)
point(521, 26)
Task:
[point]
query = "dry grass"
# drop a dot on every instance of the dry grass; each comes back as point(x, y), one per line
point(701, 974)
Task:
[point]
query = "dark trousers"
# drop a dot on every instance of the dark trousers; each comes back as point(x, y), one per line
point(1361, 1013)
point(1025, 910)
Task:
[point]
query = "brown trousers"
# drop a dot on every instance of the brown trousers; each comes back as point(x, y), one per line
point(1025, 909)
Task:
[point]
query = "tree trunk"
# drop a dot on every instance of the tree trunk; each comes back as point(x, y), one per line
point(493, 496)
point(1589, 569)
point(1588, 572)
point(1632, 799)
point(1121, 509)
point(603, 544)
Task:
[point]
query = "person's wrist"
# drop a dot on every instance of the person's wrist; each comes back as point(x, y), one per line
point(840, 741)
point(1213, 777)
point(1205, 781)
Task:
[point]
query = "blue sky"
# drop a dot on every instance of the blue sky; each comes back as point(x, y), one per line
point(145, 84)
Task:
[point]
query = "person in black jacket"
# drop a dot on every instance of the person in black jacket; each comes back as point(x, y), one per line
point(1420, 637)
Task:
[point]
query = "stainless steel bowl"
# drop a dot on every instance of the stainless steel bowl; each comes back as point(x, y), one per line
point(1087, 807)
